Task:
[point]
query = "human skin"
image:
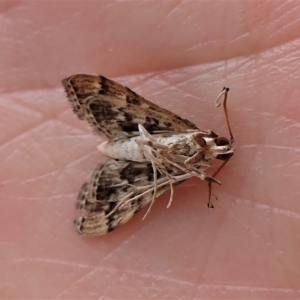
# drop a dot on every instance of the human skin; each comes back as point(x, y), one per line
point(178, 54)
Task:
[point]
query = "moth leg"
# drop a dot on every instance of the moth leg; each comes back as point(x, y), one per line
point(152, 158)
point(171, 195)
point(155, 187)
point(156, 163)
point(171, 179)
point(210, 179)
point(148, 142)
point(209, 204)
point(196, 158)
point(147, 139)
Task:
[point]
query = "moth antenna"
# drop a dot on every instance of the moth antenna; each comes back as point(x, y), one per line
point(225, 93)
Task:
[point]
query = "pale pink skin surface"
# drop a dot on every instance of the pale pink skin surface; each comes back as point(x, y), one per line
point(248, 246)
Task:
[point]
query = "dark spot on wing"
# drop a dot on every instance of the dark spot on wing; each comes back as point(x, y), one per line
point(128, 126)
point(102, 110)
point(132, 97)
point(152, 124)
point(134, 170)
point(104, 193)
point(156, 122)
point(75, 88)
point(105, 86)
point(137, 206)
point(128, 116)
point(83, 96)
point(168, 124)
point(152, 127)
point(109, 87)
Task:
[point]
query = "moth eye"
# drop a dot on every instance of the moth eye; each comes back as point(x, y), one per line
point(200, 140)
point(221, 141)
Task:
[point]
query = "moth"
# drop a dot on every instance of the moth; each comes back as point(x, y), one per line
point(150, 150)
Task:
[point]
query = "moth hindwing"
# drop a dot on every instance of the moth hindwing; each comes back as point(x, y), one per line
point(150, 150)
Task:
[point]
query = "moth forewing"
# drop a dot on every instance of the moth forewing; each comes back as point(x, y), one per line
point(150, 150)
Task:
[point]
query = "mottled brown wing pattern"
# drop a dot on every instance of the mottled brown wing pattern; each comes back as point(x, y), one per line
point(111, 184)
point(148, 138)
point(111, 108)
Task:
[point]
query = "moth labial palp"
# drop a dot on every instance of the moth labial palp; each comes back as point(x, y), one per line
point(150, 151)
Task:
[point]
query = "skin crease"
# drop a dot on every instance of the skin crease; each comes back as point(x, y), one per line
point(178, 54)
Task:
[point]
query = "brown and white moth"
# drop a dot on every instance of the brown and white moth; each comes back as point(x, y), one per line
point(150, 150)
